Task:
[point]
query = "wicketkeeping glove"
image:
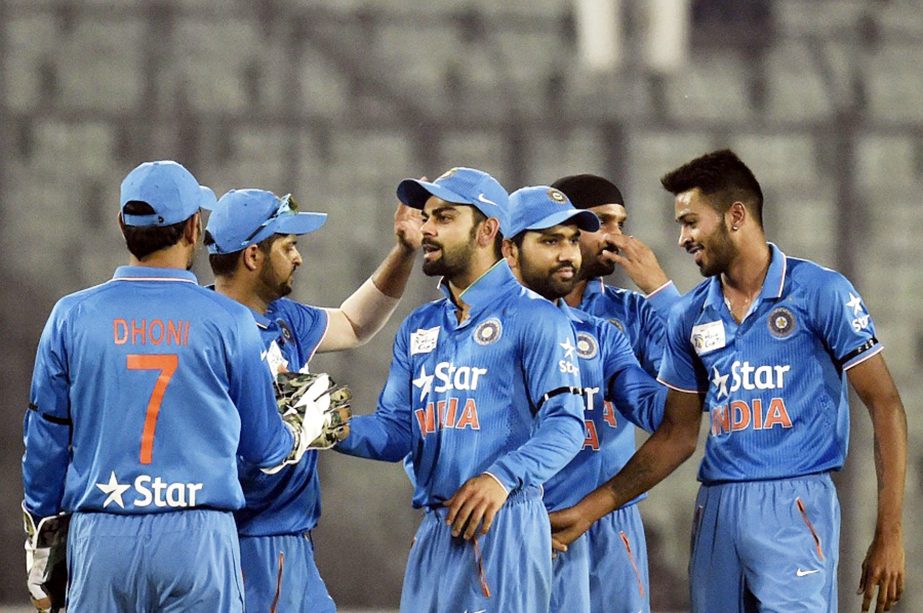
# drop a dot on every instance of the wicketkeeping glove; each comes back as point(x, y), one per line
point(315, 409)
point(46, 559)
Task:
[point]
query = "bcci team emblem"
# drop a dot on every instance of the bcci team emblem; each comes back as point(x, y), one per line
point(488, 332)
point(557, 196)
point(617, 324)
point(586, 346)
point(781, 322)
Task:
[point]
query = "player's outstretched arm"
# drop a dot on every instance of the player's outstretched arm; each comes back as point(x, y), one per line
point(883, 567)
point(368, 309)
point(639, 262)
point(668, 447)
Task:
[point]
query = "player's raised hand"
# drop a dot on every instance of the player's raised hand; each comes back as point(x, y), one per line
point(566, 527)
point(638, 261)
point(408, 227)
point(479, 498)
point(883, 568)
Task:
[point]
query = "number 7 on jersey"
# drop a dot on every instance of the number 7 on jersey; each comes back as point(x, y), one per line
point(166, 363)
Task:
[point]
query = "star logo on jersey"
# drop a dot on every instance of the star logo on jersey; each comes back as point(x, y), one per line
point(855, 303)
point(721, 382)
point(586, 346)
point(424, 382)
point(569, 349)
point(113, 490)
point(781, 322)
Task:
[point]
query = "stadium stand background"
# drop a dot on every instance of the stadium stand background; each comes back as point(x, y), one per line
point(336, 101)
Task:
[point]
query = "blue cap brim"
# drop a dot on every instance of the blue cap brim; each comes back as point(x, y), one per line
point(414, 193)
point(297, 224)
point(207, 198)
point(586, 220)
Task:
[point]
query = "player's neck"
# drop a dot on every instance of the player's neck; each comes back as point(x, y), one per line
point(175, 256)
point(239, 291)
point(744, 279)
point(477, 268)
point(575, 297)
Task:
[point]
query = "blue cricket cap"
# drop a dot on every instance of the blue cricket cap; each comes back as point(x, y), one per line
point(460, 185)
point(171, 190)
point(541, 207)
point(245, 217)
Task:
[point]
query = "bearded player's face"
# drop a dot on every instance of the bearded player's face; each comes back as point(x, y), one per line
point(278, 271)
point(704, 233)
point(595, 245)
point(548, 260)
point(449, 238)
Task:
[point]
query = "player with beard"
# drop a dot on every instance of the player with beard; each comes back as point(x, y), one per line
point(765, 344)
point(252, 240)
point(483, 393)
point(604, 569)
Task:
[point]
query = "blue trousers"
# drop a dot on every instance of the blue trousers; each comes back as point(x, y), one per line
point(605, 570)
point(157, 562)
point(509, 569)
point(769, 546)
point(279, 571)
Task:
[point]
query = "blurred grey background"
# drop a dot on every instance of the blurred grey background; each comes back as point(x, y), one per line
point(337, 101)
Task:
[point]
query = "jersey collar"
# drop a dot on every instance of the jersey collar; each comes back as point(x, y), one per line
point(773, 284)
point(485, 288)
point(570, 312)
point(148, 273)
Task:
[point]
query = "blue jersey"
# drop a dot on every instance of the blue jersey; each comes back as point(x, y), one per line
point(774, 383)
point(614, 387)
point(497, 393)
point(287, 502)
point(143, 395)
point(641, 318)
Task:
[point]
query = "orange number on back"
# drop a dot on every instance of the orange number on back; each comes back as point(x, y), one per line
point(166, 363)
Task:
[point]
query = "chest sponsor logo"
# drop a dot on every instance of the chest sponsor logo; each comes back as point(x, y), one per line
point(445, 413)
point(274, 359)
point(488, 332)
point(781, 322)
point(756, 413)
point(856, 309)
point(423, 340)
point(148, 491)
point(587, 347)
point(708, 337)
point(567, 365)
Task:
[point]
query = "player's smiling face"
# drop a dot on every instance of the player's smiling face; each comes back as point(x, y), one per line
point(449, 238)
point(279, 265)
point(704, 233)
point(612, 219)
point(549, 260)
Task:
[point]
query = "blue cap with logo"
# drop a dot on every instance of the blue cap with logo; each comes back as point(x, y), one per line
point(460, 185)
point(245, 217)
point(541, 207)
point(169, 189)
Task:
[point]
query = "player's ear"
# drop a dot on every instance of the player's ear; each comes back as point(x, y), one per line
point(510, 253)
point(736, 215)
point(488, 231)
point(251, 257)
point(193, 229)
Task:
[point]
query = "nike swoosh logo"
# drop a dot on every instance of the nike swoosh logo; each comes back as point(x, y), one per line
point(802, 573)
point(485, 200)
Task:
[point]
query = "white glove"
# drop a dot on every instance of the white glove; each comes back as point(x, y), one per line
point(46, 561)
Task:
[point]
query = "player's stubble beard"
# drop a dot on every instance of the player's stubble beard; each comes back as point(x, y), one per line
point(593, 266)
point(454, 260)
point(720, 251)
point(543, 282)
point(276, 285)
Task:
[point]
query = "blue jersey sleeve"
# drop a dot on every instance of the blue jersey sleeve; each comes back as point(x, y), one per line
point(843, 321)
point(264, 440)
point(310, 324)
point(663, 298)
point(47, 427)
point(681, 368)
point(387, 433)
point(651, 317)
point(549, 362)
point(635, 393)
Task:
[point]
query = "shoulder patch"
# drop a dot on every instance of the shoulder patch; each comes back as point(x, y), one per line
point(708, 337)
point(424, 340)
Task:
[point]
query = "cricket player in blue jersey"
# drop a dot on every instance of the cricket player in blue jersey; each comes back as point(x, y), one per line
point(765, 345)
point(142, 398)
point(618, 571)
point(544, 251)
point(484, 393)
point(252, 240)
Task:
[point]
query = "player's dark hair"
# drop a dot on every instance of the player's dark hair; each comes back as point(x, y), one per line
point(586, 191)
point(479, 218)
point(224, 264)
point(721, 176)
point(143, 241)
